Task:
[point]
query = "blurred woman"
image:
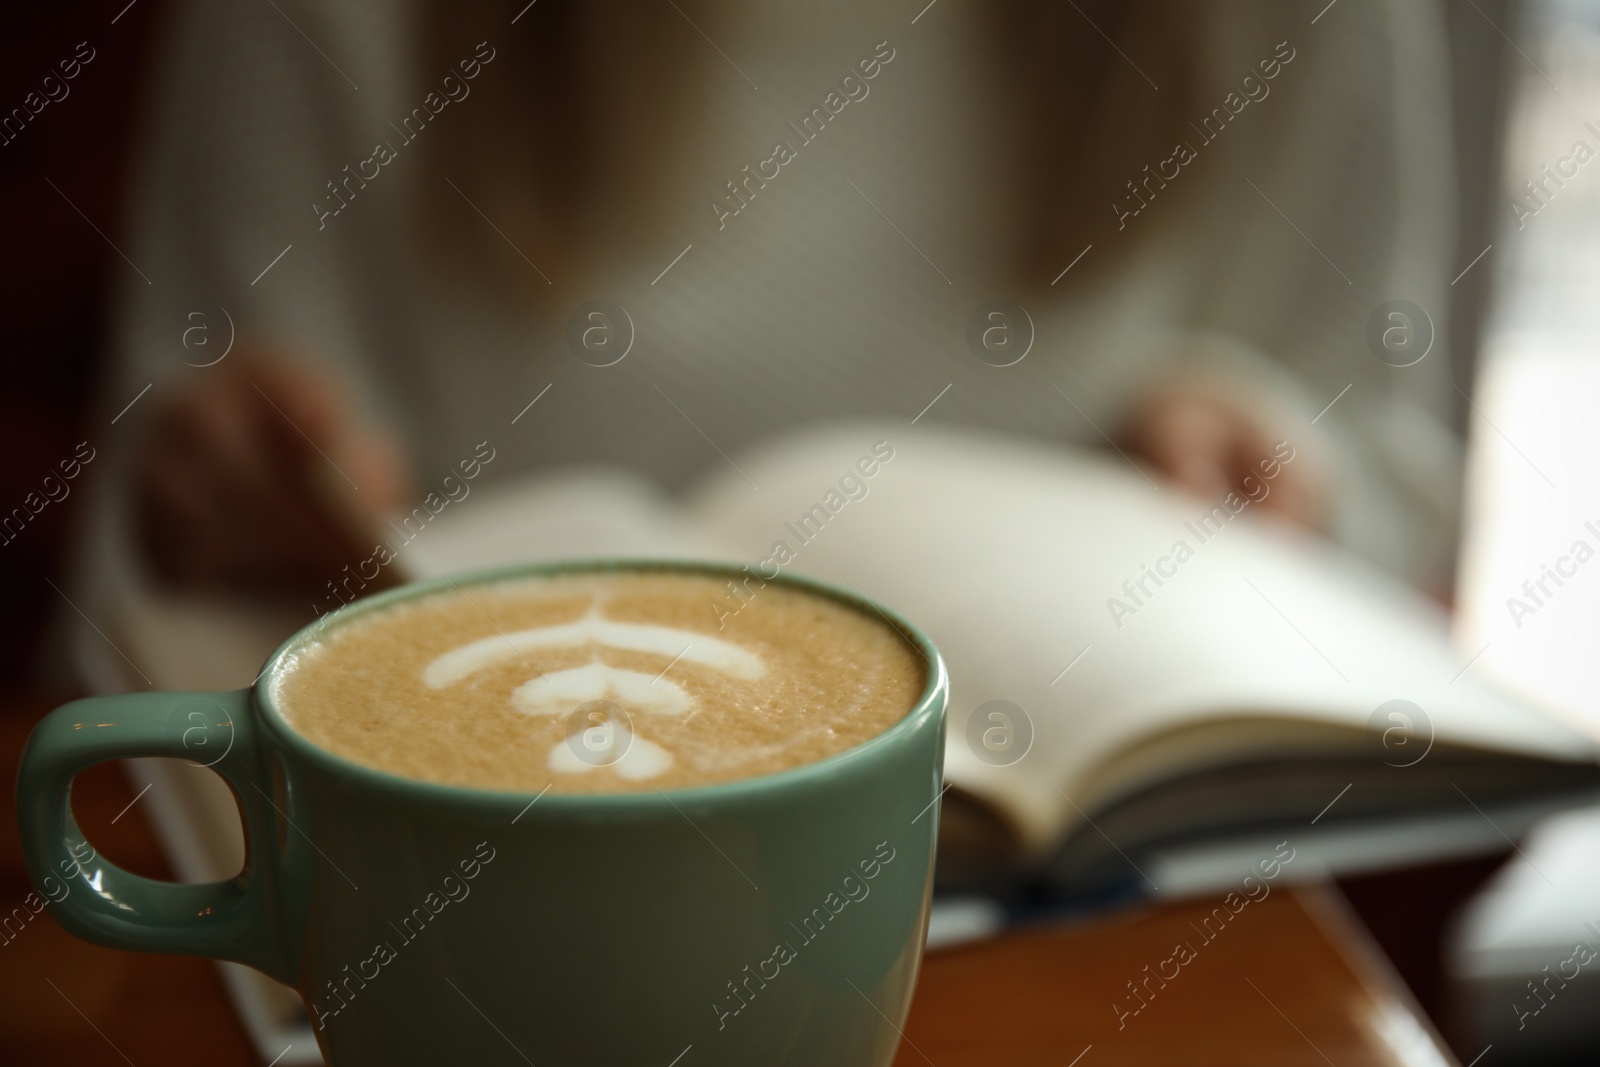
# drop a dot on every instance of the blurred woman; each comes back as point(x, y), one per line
point(393, 212)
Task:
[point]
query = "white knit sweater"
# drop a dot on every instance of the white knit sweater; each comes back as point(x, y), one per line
point(845, 286)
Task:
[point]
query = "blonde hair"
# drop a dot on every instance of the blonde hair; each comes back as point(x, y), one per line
point(581, 91)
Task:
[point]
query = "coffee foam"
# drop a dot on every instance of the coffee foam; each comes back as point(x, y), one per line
point(599, 682)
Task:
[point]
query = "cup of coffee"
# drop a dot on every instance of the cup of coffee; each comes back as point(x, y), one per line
point(587, 813)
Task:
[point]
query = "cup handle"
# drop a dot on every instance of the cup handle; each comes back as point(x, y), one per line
point(239, 919)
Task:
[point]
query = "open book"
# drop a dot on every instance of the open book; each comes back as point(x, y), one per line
point(1185, 683)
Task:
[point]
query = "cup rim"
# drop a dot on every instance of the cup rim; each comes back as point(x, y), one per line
point(930, 704)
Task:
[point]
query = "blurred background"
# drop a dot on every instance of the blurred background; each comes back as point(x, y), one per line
point(1404, 151)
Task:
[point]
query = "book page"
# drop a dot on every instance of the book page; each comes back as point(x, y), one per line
point(1030, 567)
point(1529, 603)
point(1013, 557)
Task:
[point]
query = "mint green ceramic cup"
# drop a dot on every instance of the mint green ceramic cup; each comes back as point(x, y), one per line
point(775, 920)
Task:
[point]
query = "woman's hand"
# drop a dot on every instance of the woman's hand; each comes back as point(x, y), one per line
point(1209, 440)
point(255, 476)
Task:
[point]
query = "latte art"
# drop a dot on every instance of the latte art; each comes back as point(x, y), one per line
point(557, 693)
point(599, 682)
point(593, 629)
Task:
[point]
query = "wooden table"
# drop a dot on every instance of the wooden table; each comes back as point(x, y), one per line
point(1293, 980)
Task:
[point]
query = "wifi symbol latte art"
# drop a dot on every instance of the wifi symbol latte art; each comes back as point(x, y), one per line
point(597, 685)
